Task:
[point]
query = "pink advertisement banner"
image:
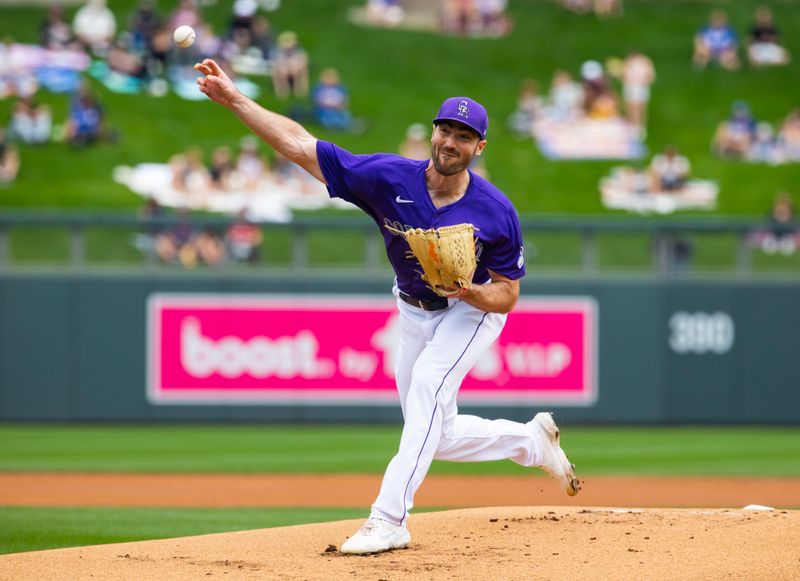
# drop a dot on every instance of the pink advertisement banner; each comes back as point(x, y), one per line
point(328, 349)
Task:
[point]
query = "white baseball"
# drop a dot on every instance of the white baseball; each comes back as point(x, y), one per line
point(184, 36)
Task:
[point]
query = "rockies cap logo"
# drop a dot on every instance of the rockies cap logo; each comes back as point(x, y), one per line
point(463, 109)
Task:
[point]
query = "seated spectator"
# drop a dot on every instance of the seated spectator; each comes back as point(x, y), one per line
point(782, 232)
point(669, 170)
point(566, 97)
point(187, 12)
point(763, 44)
point(290, 67)
point(94, 26)
point(735, 135)
point(86, 123)
point(209, 247)
point(244, 12)
point(765, 147)
point(261, 37)
point(31, 122)
point(251, 169)
point(9, 160)
point(331, 102)
point(144, 25)
point(189, 174)
point(387, 13)
point(55, 33)
point(417, 144)
point(789, 135)
point(222, 168)
point(716, 42)
point(243, 240)
point(176, 244)
point(460, 17)
point(529, 107)
point(599, 100)
point(123, 57)
point(492, 17)
point(638, 74)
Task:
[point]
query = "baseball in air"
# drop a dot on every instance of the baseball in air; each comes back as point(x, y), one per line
point(184, 36)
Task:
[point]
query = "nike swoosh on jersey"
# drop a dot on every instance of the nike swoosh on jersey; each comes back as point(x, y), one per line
point(400, 200)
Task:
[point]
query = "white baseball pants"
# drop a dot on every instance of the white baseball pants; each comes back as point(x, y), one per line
point(437, 349)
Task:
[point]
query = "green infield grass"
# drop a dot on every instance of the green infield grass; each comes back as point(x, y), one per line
point(32, 529)
point(719, 451)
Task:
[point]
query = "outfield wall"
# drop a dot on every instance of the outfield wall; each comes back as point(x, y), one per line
point(101, 348)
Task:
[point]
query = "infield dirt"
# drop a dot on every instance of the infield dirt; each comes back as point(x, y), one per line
point(483, 543)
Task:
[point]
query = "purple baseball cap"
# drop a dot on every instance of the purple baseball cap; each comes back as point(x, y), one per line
point(467, 111)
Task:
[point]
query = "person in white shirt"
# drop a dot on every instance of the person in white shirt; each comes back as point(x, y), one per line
point(95, 26)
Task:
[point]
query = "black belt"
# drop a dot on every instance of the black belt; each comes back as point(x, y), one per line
point(432, 305)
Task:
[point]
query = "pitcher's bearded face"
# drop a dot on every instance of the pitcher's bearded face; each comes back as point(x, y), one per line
point(453, 147)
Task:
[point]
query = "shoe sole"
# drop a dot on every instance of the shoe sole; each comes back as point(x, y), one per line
point(571, 483)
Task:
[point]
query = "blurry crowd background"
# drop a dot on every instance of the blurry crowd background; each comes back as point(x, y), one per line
point(687, 93)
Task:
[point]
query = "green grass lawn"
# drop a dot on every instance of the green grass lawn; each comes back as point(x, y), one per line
point(745, 451)
point(31, 529)
point(399, 77)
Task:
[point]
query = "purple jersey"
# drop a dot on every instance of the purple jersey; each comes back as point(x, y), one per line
point(393, 190)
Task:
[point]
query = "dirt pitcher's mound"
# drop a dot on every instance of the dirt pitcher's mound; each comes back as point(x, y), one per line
point(487, 543)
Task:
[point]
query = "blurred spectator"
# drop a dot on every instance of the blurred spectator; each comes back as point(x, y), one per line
point(175, 245)
point(251, 169)
point(9, 160)
point(716, 42)
point(144, 25)
point(460, 17)
point(638, 74)
point(222, 168)
point(189, 174)
point(94, 26)
point(669, 170)
point(566, 97)
point(124, 58)
point(209, 247)
point(735, 135)
point(149, 214)
point(781, 233)
point(290, 67)
point(599, 100)
point(765, 147)
point(789, 135)
point(244, 12)
point(31, 122)
point(492, 17)
point(243, 240)
point(529, 107)
point(331, 101)
point(387, 13)
point(55, 33)
point(763, 44)
point(262, 37)
point(416, 144)
point(188, 13)
point(86, 121)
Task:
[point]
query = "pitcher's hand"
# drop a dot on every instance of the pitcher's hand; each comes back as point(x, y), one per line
point(216, 84)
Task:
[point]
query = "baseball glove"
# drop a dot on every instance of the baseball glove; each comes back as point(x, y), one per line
point(446, 255)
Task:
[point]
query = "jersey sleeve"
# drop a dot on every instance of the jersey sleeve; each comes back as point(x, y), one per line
point(349, 176)
point(506, 254)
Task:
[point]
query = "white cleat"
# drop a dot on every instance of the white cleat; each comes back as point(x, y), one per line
point(375, 536)
point(554, 461)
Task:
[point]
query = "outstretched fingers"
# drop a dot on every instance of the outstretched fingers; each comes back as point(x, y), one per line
point(209, 67)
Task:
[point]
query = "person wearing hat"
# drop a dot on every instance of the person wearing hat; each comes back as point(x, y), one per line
point(440, 339)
